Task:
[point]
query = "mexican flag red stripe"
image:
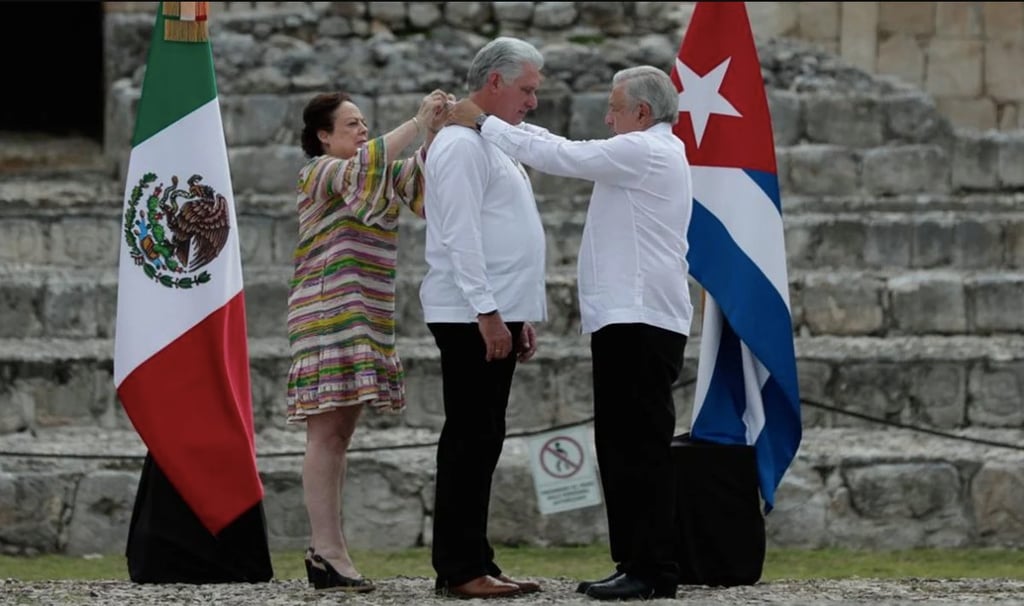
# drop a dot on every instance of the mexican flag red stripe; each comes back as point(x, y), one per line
point(181, 360)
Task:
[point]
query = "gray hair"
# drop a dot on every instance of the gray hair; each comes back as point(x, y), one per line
point(506, 56)
point(650, 85)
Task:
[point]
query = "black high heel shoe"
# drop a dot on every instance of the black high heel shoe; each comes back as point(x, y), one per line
point(314, 574)
point(324, 576)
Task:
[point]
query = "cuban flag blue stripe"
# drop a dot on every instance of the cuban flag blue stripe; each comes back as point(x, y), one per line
point(750, 395)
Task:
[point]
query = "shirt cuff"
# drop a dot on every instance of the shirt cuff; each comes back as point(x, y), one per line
point(482, 304)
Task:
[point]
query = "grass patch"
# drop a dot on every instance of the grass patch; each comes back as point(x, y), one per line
point(589, 562)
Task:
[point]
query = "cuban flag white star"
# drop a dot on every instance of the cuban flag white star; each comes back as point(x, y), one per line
point(700, 96)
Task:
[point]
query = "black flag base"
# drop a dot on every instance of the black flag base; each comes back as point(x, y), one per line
point(720, 537)
point(168, 544)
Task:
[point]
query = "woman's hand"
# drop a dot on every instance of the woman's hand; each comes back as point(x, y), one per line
point(433, 111)
point(464, 113)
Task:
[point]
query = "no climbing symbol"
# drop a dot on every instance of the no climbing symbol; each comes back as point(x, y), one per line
point(561, 457)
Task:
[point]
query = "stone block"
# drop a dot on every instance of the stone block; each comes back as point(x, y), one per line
point(914, 118)
point(906, 18)
point(270, 169)
point(773, 19)
point(938, 395)
point(955, 68)
point(286, 236)
point(1003, 19)
point(255, 238)
point(554, 15)
point(1014, 243)
point(901, 504)
point(514, 12)
point(901, 55)
point(906, 169)
point(975, 163)
point(257, 120)
point(887, 244)
point(787, 117)
point(814, 378)
point(958, 19)
point(1011, 160)
point(24, 241)
point(85, 241)
point(69, 309)
point(977, 243)
point(587, 116)
point(996, 392)
point(932, 242)
point(33, 507)
point(858, 36)
point(818, 20)
point(842, 304)
point(1007, 116)
point(977, 113)
point(991, 297)
point(928, 304)
point(266, 307)
point(1004, 78)
point(997, 494)
point(824, 170)
point(876, 389)
point(467, 15)
point(102, 512)
point(21, 300)
point(850, 121)
point(799, 519)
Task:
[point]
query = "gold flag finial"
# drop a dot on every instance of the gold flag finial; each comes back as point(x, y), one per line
point(186, 21)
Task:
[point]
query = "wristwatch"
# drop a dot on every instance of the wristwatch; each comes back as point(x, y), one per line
point(480, 120)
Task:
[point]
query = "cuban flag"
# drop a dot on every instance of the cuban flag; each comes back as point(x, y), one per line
point(747, 391)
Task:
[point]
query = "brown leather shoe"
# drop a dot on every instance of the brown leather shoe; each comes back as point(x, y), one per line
point(482, 587)
point(524, 586)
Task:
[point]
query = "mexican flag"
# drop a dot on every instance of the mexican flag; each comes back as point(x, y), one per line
point(181, 360)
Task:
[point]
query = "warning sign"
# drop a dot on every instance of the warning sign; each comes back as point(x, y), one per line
point(563, 472)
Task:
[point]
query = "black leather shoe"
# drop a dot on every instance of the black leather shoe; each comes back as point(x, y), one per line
point(628, 587)
point(585, 585)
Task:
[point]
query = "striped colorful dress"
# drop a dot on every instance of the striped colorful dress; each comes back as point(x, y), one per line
point(341, 302)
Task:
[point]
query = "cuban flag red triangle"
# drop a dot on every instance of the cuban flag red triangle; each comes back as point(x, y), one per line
point(747, 390)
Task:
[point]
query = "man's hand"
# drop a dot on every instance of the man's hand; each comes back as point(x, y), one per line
point(497, 338)
point(527, 342)
point(464, 113)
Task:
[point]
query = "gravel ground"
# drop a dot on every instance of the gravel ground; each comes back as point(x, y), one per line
point(419, 591)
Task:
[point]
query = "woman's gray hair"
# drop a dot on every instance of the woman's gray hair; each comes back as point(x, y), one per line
point(650, 85)
point(504, 55)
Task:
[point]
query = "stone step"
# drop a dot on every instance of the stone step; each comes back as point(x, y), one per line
point(76, 223)
point(72, 491)
point(935, 381)
point(81, 303)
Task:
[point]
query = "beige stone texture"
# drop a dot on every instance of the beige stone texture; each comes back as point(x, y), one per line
point(1009, 117)
point(1003, 19)
point(901, 55)
point(818, 20)
point(958, 19)
point(858, 37)
point(906, 18)
point(771, 19)
point(954, 68)
point(1004, 69)
point(978, 114)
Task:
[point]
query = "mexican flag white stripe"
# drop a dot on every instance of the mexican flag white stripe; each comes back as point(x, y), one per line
point(181, 361)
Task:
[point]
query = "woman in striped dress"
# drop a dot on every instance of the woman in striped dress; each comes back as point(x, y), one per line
point(341, 303)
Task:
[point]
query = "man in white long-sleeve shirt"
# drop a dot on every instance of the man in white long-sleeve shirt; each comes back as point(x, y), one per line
point(635, 304)
point(484, 286)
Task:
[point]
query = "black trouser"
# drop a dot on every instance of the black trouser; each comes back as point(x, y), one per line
point(475, 399)
point(634, 367)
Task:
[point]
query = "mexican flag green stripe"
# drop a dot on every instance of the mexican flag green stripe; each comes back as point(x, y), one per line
point(179, 78)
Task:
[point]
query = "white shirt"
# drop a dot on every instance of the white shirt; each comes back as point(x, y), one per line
point(485, 240)
point(632, 262)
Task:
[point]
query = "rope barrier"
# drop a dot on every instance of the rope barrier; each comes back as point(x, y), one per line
point(524, 434)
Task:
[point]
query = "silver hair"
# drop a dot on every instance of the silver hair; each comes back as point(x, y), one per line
point(506, 56)
point(650, 85)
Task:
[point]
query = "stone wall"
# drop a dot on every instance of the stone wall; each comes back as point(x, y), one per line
point(967, 55)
